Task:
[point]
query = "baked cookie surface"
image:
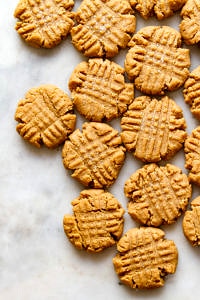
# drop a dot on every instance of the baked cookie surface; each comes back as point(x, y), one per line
point(44, 23)
point(157, 195)
point(155, 61)
point(45, 116)
point(161, 9)
point(95, 155)
point(191, 223)
point(192, 155)
point(145, 257)
point(97, 222)
point(99, 91)
point(190, 25)
point(153, 129)
point(103, 27)
point(191, 92)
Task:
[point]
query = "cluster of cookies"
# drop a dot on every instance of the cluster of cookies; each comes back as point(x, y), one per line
point(151, 129)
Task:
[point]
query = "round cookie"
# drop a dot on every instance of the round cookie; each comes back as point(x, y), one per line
point(191, 92)
point(157, 195)
point(45, 116)
point(99, 91)
point(155, 61)
point(44, 23)
point(161, 9)
point(97, 222)
point(95, 155)
point(103, 27)
point(192, 156)
point(191, 223)
point(145, 257)
point(190, 24)
point(153, 129)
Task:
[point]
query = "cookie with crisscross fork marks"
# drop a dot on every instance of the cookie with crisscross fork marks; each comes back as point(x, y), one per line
point(192, 155)
point(190, 25)
point(99, 91)
point(153, 129)
point(191, 223)
point(157, 195)
point(44, 23)
point(45, 116)
point(145, 257)
point(96, 154)
point(155, 60)
point(97, 222)
point(161, 9)
point(104, 26)
point(191, 92)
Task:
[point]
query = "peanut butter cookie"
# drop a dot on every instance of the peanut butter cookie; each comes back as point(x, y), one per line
point(103, 27)
point(192, 155)
point(191, 92)
point(45, 116)
point(95, 155)
point(99, 91)
point(155, 61)
point(157, 195)
point(161, 9)
point(145, 257)
point(97, 222)
point(190, 25)
point(191, 223)
point(44, 23)
point(153, 129)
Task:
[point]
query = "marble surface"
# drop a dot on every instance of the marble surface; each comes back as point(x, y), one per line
point(36, 260)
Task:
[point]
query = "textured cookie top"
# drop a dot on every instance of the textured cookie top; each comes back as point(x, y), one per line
point(161, 9)
point(153, 129)
point(155, 60)
point(157, 195)
point(191, 92)
point(99, 91)
point(97, 222)
point(145, 258)
point(96, 154)
point(44, 23)
point(190, 25)
point(191, 223)
point(45, 116)
point(104, 26)
point(192, 155)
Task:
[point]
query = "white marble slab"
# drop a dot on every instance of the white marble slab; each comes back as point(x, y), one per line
point(36, 260)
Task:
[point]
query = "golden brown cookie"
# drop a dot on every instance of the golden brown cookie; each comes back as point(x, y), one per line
point(190, 25)
point(103, 27)
point(192, 155)
point(99, 91)
point(95, 155)
point(191, 92)
point(145, 257)
point(153, 129)
point(157, 195)
point(155, 60)
point(45, 116)
point(191, 223)
point(97, 222)
point(161, 9)
point(44, 23)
